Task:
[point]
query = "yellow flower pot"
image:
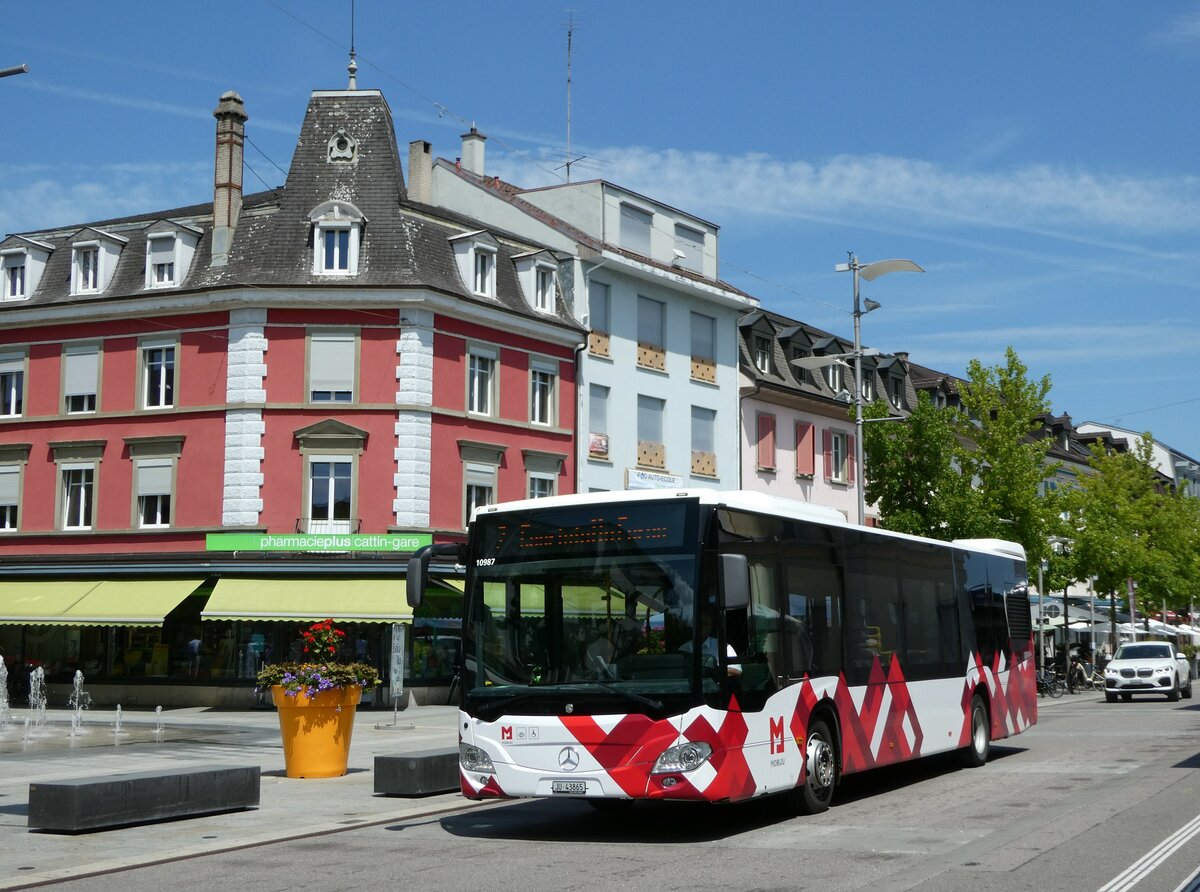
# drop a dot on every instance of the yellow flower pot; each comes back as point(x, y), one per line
point(316, 729)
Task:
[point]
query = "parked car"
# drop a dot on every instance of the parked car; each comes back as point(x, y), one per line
point(1147, 667)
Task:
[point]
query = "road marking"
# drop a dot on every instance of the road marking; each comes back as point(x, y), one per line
point(1141, 868)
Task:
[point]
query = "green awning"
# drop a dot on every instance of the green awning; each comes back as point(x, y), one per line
point(93, 602)
point(309, 600)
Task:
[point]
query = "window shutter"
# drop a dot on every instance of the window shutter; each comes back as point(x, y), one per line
point(827, 451)
point(154, 477)
point(766, 442)
point(850, 453)
point(598, 409)
point(805, 456)
point(82, 369)
point(162, 250)
point(12, 362)
point(332, 361)
point(10, 479)
point(476, 474)
point(635, 229)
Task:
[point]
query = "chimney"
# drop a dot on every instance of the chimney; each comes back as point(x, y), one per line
point(227, 176)
point(472, 151)
point(420, 171)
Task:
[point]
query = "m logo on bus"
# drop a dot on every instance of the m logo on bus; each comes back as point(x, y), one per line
point(506, 732)
point(776, 736)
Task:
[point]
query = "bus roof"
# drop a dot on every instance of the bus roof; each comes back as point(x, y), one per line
point(745, 500)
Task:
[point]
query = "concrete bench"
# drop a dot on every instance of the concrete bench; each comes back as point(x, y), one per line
point(94, 803)
point(417, 774)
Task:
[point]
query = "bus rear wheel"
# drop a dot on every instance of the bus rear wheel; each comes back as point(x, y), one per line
point(815, 794)
point(976, 753)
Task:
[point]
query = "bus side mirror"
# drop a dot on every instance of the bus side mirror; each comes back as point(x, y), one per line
point(735, 581)
point(417, 576)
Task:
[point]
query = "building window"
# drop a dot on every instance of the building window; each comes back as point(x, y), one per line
point(481, 382)
point(868, 385)
point(78, 481)
point(160, 261)
point(14, 279)
point(485, 272)
point(544, 289)
point(704, 436)
point(542, 378)
point(337, 233)
point(651, 334)
point(689, 248)
point(480, 485)
point(835, 376)
point(651, 448)
point(158, 376)
point(12, 384)
point(635, 229)
point(541, 486)
point(10, 496)
point(896, 391)
point(765, 429)
point(839, 467)
point(704, 348)
point(331, 366)
point(154, 491)
point(800, 374)
point(598, 318)
point(81, 374)
point(86, 269)
point(597, 421)
point(762, 354)
point(330, 493)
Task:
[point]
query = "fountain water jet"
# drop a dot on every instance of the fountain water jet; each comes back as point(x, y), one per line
point(37, 698)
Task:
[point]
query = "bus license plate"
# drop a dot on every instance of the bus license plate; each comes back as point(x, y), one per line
point(568, 786)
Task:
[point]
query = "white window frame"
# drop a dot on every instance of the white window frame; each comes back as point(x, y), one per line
point(896, 391)
point(541, 485)
point(762, 353)
point(839, 457)
point(86, 484)
point(868, 385)
point(164, 388)
point(329, 524)
point(479, 486)
point(544, 288)
point(161, 273)
point(328, 221)
point(483, 270)
point(481, 399)
point(10, 505)
point(835, 376)
point(150, 489)
point(81, 368)
point(329, 348)
point(14, 277)
point(85, 268)
point(543, 392)
point(12, 384)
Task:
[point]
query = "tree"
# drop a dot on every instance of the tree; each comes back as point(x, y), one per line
point(915, 473)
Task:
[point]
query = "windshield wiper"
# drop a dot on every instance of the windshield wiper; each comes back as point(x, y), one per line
point(638, 698)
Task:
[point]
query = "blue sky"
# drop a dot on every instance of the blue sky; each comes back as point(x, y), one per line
point(1039, 160)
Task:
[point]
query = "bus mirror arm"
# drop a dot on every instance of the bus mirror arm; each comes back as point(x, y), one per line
point(735, 581)
point(417, 577)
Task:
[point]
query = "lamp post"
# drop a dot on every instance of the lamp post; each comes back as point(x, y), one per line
point(868, 271)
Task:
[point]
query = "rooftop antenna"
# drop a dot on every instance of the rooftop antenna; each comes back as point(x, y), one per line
point(570, 34)
point(353, 66)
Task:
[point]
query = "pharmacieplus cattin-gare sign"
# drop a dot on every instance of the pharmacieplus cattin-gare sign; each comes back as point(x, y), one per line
point(393, 542)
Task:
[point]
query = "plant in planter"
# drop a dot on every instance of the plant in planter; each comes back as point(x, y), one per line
point(316, 702)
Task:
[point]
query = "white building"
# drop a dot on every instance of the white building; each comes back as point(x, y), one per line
point(658, 380)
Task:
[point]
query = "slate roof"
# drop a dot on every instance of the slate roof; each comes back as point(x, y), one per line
point(403, 245)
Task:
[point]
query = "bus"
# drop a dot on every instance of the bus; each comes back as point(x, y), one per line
point(711, 646)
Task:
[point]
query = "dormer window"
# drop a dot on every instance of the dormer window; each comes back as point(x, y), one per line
point(337, 233)
point(485, 272)
point(160, 261)
point(22, 262)
point(544, 290)
point(14, 277)
point(896, 391)
point(762, 354)
point(87, 269)
point(170, 246)
point(835, 376)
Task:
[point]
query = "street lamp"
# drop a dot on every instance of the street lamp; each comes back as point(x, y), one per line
point(868, 271)
point(15, 69)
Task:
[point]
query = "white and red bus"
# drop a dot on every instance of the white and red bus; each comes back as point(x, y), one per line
point(720, 646)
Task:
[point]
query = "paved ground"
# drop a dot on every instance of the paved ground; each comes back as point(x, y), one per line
point(148, 741)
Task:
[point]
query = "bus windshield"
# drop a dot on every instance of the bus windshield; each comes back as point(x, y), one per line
point(594, 603)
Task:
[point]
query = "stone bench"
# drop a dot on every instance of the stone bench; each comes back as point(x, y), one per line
point(94, 803)
point(418, 774)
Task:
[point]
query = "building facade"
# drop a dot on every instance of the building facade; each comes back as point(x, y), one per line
point(223, 421)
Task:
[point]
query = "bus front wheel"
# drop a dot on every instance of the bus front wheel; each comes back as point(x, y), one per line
point(815, 794)
point(976, 753)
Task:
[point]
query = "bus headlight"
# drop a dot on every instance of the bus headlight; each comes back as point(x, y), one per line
point(683, 757)
point(474, 759)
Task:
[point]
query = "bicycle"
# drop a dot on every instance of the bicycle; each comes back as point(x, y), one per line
point(1050, 685)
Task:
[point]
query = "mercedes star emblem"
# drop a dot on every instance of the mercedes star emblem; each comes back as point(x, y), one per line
point(568, 759)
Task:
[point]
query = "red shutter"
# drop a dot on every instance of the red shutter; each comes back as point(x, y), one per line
point(850, 453)
point(766, 442)
point(806, 460)
point(827, 451)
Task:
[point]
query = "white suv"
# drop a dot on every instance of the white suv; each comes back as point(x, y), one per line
point(1147, 667)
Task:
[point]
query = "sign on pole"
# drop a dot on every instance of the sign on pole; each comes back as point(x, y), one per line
point(396, 675)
